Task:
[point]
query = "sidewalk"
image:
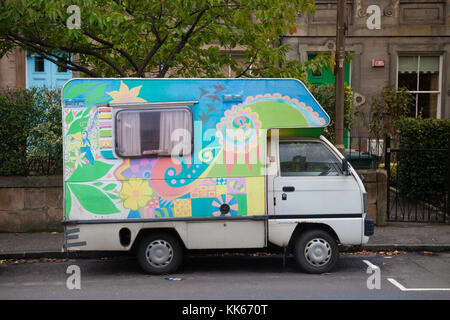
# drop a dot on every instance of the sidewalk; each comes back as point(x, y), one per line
point(395, 236)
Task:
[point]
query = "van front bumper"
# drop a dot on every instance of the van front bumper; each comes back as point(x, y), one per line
point(369, 226)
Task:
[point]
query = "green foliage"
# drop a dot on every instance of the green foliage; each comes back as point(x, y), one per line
point(153, 38)
point(30, 132)
point(385, 108)
point(325, 95)
point(17, 114)
point(422, 175)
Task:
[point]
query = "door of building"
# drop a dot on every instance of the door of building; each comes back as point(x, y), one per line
point(42, 72)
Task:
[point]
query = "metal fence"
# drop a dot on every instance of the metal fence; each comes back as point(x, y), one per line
point(418, 184)
point(365, 152)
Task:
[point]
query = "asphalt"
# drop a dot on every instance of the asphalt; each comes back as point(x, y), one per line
point(395, 236)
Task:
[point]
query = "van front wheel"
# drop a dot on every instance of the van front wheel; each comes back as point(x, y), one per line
point(316, 251)
point(159, 253)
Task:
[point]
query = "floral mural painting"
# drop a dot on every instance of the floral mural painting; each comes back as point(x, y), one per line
point(135, 193)
point(98, 184)
point(126, 95)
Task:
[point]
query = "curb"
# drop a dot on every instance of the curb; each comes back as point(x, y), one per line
point(105, 254)
point(403, 247)
point(63, 255)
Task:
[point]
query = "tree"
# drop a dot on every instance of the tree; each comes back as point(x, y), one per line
point(156, 38)
point(385, 108)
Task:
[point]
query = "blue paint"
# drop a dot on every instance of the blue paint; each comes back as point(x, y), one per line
point(46, 76)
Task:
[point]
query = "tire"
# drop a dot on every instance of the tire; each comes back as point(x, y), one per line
point(316, 251)
point(159, 253)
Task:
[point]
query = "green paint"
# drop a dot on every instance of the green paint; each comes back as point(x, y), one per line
point(69, 117)
point(78, 125)
point(68, 201)
point(79, 89)
point(326, 76)
point(95, 94)
point(109, 187)
point(90, 172)
point(105, 133)
point(93, 199)
point(303, 132)
point(274, 114)
point(242, 203)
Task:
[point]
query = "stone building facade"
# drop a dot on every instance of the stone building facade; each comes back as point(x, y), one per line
point(393, 42)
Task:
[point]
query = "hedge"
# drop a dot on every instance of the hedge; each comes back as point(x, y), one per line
point(30, 132)
point(423, 174)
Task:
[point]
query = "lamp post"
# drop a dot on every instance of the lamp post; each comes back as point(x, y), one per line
point(339, 74)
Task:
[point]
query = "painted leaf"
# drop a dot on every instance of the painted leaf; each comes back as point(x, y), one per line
point(113, 196)
point(90, 172)
point(79, 89)
point(78, 125)
point(95, 94)
point(98, 184)
point(93, 199)
point(69, 118)
point(68, 201)
point(109, 187)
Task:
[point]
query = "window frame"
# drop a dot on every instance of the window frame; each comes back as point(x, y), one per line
point(118, 108)
point(417, 92)
point(35, 57)
point(341, 173)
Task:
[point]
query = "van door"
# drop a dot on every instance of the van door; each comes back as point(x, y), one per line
point(311, 184)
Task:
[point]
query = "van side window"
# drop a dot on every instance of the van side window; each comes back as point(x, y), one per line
point(163, 132)
point(306, 158)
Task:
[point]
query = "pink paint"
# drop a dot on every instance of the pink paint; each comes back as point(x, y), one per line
point(105, 124)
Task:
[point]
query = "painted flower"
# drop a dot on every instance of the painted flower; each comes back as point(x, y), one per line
point(78, 158)
point(126, 95)
point(225, 205)
point(135, 193)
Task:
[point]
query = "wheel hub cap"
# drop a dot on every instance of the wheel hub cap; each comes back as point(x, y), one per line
point(159, 253)
point(317, 252)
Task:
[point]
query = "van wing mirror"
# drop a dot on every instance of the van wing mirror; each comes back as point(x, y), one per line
point(345, 167)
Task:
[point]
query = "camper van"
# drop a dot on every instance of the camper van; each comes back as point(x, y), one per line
point(162, 166)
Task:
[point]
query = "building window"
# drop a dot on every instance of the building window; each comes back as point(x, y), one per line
point(39, 64)
point(161, 132)
point(421, 76)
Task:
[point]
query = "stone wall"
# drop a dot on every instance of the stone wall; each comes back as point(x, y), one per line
point(375, 184)
point(31, 203)
point(35, 203)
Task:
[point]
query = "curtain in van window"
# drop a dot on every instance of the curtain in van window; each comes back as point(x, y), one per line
point(175, 132)
point(129, 135)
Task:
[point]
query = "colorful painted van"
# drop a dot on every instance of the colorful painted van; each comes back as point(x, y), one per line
point(160, 166)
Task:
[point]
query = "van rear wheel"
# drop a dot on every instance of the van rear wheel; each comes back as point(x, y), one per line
point(316, 251)
point(159, 253)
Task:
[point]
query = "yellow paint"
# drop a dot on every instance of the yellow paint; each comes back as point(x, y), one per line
point(182, 208)
point(255, 196)
point(104, 116)
point(221, 189)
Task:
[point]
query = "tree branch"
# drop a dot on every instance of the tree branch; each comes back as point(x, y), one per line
point(184, 39)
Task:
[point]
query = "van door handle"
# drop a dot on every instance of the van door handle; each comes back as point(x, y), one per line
point(288, 189)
